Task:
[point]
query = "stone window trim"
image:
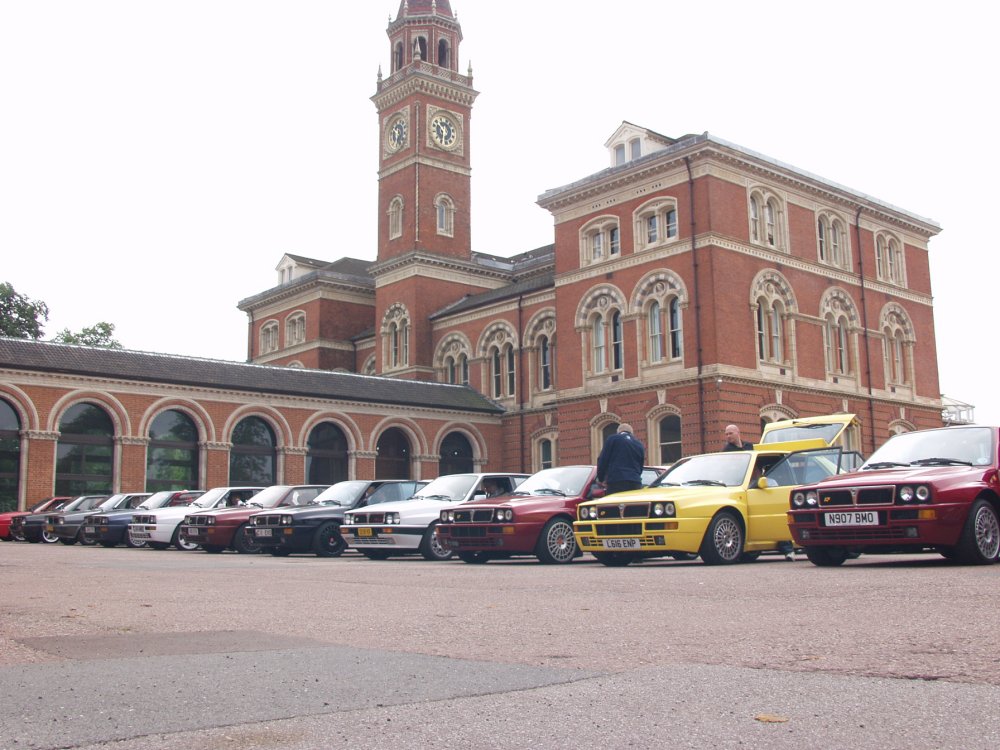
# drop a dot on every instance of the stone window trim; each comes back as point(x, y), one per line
point(766, 216)
point(655, 224)
point(600, 240)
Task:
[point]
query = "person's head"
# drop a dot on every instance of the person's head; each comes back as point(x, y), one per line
point(490, 486)
point(733, 435)
point(625, 427)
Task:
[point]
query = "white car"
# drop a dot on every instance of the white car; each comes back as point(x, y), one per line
point(159, 528)
point(409, 526)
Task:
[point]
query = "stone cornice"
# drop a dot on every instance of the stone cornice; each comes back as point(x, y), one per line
point(427, 160)
point(425, 79)
point(421, 263)
point(323, 281)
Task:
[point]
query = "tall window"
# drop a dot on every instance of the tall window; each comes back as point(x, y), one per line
point(765, 219)
point(599, 342)
point(665, 335)
point(269, 337)
point(253, 457)
point(674, 323)
point(326, 457)
point(894, 350)
point(617, 342)
point(396, 218)
point(172, 456)
point(85, 453)
point(889, 259)
point(769, 331)
point(399, 342)
point(831, 239)
point(444, 53)
point(456, 455)
point(295, 329)
point(509, 369)
point(10, 457)
point(670, 438)
point(392, 459)
point(544, 363)
point(546, 453)
point(655, 326)
point(837, 340)
point(445, 208)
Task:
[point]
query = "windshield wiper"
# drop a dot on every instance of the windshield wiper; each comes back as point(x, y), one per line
point(435, 497)
point(940, 462)
point(549, 491)
point(883, 465)
point(522, 493)
point(709, 482)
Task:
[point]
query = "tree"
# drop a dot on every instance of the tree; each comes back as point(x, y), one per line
point(99, 334)
point(20, 317)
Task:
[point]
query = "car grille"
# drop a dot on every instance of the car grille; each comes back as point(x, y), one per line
point(274, 520)
point(196, 520)
point(95, 519)
point(473, 532)
point(476, 515)
point(623, 510)
point(618, 529)
point(17, 523)
point(880, 495)
point(851, 534)
point(368, 518)
point(143, 519)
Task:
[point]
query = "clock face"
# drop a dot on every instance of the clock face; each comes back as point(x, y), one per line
point(444, 131)
point(396, 137)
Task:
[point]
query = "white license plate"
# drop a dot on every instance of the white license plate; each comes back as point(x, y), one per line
point(262, 532)
point(191, 531)
point(140, 535)
point(852, 518)
point(89, 529)
point(621, 544)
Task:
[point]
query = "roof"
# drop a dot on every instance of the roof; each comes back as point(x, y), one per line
point(424, 7)
point(472, 301)
point(130, 365)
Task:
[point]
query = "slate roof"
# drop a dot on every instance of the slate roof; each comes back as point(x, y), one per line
point(125, 364)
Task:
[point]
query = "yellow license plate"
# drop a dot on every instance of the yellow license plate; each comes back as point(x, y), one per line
point(364, 532)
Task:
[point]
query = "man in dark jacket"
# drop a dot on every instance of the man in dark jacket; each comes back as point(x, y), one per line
point(619, 467)
point(734, 442)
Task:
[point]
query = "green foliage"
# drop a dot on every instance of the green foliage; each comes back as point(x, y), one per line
point(99, 334)
point(20, 317)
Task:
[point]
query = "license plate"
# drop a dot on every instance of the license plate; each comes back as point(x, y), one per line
point(364, 532)
point(89, 529)
point(262, 532)
point(621, 544)
point(140, 535)
point(50, 528)
point(191, 531)
point(852, 518)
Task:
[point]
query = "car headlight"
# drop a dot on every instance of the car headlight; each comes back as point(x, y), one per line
point(285, 521)
point(447, 516)
point(392, 517)
point(812, 498)
point(798, 499)
point(504, 514)
point(210, 520)
point(906, 494)
point(657, 509)
point(923, 493)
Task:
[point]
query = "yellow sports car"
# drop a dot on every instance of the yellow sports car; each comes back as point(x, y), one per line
point(727, 507)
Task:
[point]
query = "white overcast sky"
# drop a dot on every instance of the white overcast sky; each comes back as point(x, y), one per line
point(157, 157)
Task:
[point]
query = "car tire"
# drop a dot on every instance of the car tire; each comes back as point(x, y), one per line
point(374, 555)
point(474, 558)
point(431, 547)
point(826, 557)
point(327, 541)
point(279, 552)
point(82, 539)
point(49, 537)
point(108, 545)
point(723, 542)
point(556, 544)
point(683, 556)
point(213, 549)
point(244, 543)
point(615, 559)
point(749, 557)
point(68, 540)
point(155, 545)
point(127, 538)
point(979, 543)
point(180, 543)
point(14, 537)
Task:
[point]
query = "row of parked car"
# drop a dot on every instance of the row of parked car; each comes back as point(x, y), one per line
point(797, 489)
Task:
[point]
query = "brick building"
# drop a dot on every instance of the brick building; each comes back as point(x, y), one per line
point(691, 283)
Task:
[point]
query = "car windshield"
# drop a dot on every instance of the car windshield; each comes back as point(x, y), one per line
point(342, 493)
point(718, 469)
point(569, 480)
point(157, 500)
point(972, 446)
point(448, 487)
point(828, 432)
point(210, 498)
point(102, 503)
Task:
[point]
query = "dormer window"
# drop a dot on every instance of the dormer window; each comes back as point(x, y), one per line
point(619, 154)
point(635, 148)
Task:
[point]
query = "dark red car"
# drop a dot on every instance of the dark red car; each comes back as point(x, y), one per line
point(935, 490)
point(535, 519)
point(221, 528)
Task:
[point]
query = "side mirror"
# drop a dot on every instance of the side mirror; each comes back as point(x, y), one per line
point(597, 491)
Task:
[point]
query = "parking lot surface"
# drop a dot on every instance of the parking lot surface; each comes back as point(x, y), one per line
point(136, 649)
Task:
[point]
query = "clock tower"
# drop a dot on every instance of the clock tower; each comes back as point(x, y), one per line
point(424, 240)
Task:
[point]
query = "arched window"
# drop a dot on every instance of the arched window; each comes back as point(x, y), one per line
point(599, 342)
point(655, 327)
point(770, 331)
point(326, 457)
point(295, 329)
point(397, 57)
point(617, 342)
point(392, 459)
point(444, 53)
point(509, 369)
point(395, 218)
point(269, 337)
point(496, 372)
point(889, 259)
point(831, 239)
point(837, 343)
point(765, 211)
point(669, 430)
point(253, 457)
point(544, 363)
point(172, 456)
point(897, 340)
point(456, 455)
point(10, 457)
point(600, 239)
point(395, 334)
point(421, 48)
point(655, 223)
point(445, 208)
point(85, 453)
point(546, 454)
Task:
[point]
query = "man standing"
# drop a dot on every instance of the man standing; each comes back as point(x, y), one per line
point(619, 467)
point(733, 440)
